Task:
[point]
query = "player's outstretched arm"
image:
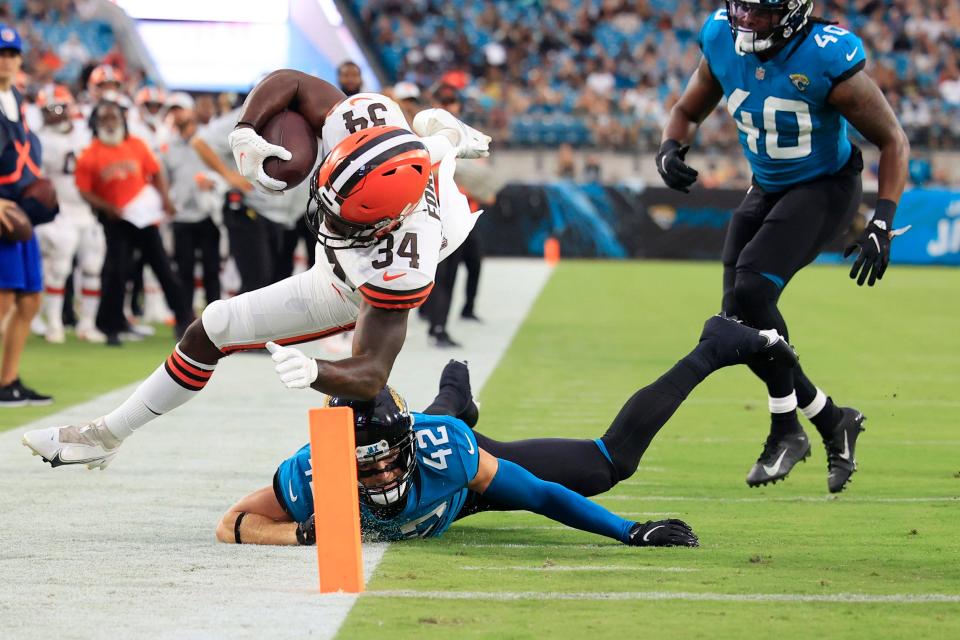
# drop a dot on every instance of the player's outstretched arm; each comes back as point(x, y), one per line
point(308, 95)
point(378, 339)
point(513, 487)
point(699, 99)
point(259, 519)
point(861, 102)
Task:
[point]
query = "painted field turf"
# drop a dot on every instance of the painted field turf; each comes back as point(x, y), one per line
point(77, 371)
point(787, 560)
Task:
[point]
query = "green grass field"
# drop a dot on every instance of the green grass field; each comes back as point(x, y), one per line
point(79, 371)
point(600, 330)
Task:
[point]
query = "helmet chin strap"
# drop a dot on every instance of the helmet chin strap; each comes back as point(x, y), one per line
point(391, 497)
point(747, 42)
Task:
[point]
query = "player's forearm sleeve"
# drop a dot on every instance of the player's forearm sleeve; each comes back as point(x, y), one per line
point(516, 488)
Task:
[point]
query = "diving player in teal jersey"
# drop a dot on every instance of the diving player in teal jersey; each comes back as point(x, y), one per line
point(420, 472)
point(791, 83)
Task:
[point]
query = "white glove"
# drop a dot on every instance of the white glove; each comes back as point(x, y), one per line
point(249, 152)
point(296, 370)
point(469, 142)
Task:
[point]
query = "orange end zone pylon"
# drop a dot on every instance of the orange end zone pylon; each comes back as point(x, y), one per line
point(551, 251)
point(333, 455)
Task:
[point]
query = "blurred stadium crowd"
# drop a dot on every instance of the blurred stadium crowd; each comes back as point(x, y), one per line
point(606, 72)
point(532, 73)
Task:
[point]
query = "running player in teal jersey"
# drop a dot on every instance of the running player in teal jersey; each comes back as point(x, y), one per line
point(791, 83)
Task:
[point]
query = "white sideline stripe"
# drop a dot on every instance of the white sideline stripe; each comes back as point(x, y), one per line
point(153, 549)
point(850, 598)
point(592, 567)
point(847, 499)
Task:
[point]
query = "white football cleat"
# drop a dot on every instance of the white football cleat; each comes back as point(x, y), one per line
point(89, 443)
point(91, 334)
point(469, 142)
point(55, 335)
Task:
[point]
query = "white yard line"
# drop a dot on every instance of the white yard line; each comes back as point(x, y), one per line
point(132, 548)
point(850, 598)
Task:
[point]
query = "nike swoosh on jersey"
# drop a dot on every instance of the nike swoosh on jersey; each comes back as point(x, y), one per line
point(775, 468)
point(293, 497)
point(471, 450)
point(646, 536)
point(852, 54)
point(388, 277)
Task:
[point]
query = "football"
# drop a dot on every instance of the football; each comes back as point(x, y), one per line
point(42, 191)
point(19, 229)
point(291, 131)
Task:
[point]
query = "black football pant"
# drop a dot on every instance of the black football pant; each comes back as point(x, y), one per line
point(123, 239)
point(771, 237)
point(472, 257)
point(291, 237)
point(437, 309)
point(189, 238)
point(592, 467)
point(255, 244)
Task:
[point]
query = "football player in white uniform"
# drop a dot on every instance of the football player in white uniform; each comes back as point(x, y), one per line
point(147, 120)
point(382, 228)
point(75, 233)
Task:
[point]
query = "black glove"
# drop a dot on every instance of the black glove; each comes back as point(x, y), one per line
point(676, 173)
point(306, 533)
point(663, 533)
point(874, 245)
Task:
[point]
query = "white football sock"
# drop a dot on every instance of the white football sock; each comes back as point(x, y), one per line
point(89, 301)
point(816, 406)
point(782, 405)
point(53, 307)
point(172, 384)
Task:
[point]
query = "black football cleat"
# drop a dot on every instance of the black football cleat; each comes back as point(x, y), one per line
point(34, 399)
point(456, 377)
point(841, 462)
point(733, 343)
point(442, 340)
point(780, 454)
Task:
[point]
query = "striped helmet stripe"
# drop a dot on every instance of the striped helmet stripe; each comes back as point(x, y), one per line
point(389, 143)
point(391, 152)
point(363, 148)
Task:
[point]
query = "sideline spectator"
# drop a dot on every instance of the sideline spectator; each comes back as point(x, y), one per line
point(254, 221)
point(196, 193)
point(349, 78)
point(121, 179)
point(470, 253)
point(21, 279)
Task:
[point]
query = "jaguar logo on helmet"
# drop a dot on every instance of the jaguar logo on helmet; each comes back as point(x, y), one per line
point(761, 25)
point(367, 184)
point(385, 447)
